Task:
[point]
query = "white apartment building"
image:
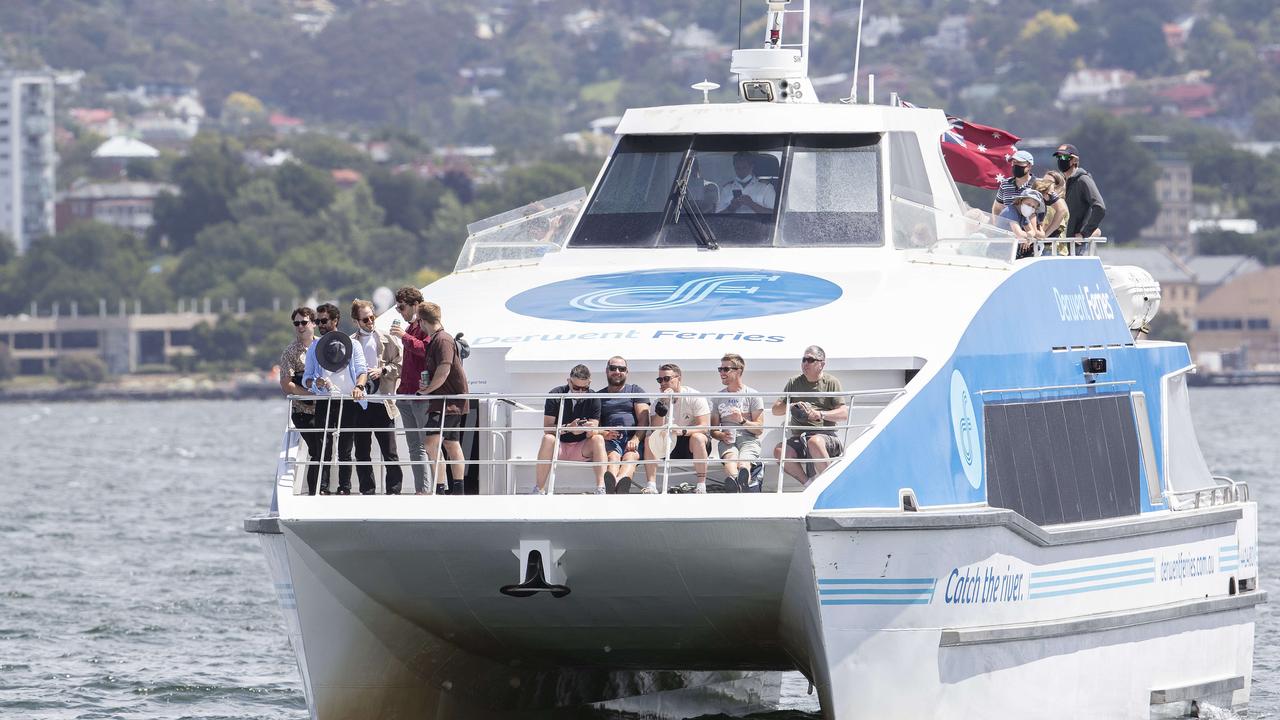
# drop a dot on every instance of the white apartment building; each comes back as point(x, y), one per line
point(27, 157)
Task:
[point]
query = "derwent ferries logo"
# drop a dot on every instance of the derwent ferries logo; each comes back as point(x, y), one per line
point(1084, 306)
point(675, 296)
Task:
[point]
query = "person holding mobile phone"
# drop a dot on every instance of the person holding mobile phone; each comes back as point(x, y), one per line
point(746, 193)
point(577, 415)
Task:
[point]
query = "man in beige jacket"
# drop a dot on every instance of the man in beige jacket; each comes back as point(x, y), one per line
point(382, 355)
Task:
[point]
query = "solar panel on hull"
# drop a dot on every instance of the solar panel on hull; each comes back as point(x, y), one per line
point(1064, 460)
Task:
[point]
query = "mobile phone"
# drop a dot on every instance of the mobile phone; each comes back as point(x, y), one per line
point(737, 192)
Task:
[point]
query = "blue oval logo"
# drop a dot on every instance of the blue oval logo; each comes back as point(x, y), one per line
point(675, 296)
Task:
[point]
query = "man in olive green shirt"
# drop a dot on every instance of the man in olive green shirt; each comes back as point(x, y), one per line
point(808, 414)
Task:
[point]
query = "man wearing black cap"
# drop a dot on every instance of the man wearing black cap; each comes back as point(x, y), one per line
point(1084, 202)
point(333, 369)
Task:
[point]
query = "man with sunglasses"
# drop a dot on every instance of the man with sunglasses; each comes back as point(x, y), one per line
point(807, 415)
point(737, 421)
point(577, 415)
point(692, 416)
point(382, 358)
point(293, 365)
point(1084, 202)
point(622, 418)
point(336, 413)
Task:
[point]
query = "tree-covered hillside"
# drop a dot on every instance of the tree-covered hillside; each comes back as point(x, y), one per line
point(517, 73)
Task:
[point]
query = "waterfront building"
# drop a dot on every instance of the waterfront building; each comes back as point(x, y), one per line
point(27, 157)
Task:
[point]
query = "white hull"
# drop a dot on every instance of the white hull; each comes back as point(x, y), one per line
point(685, 617)
point(1118, 640)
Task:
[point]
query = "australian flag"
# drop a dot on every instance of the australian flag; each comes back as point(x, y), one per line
point(977, 154)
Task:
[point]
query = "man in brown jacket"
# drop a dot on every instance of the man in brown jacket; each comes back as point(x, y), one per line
point(382, 356)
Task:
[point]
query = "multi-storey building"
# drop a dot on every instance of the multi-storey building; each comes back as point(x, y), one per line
point(27, 157)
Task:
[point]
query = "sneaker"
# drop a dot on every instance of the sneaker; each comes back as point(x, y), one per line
point(744, 478)
point(624, 486)
point(599, 490)
point(610, 483)
point(537, 491)
point(344, 491)
point(650, 489)
point(701, 488)
point(441, 489)
point(455, 488)
point(731, 485)
point(324, 491)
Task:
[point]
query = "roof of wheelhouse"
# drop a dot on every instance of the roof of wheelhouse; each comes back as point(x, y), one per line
point(774, 118)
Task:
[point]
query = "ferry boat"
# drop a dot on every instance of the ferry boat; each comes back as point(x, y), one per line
point(1021, 522)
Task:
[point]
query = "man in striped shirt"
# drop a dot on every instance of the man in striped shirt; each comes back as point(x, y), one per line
point(1013, 186)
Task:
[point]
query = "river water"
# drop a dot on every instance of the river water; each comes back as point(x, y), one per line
point(129, 590)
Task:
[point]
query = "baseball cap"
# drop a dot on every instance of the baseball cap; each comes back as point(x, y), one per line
point(1024, 156)
point(1033, 195)
point(1067, 149)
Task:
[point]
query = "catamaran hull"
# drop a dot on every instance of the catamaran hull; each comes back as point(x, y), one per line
point(993, 616)
point(890, 614)
point(397, 620)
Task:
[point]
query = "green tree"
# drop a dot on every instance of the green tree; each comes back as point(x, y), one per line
point(225, 341)
point(1166, 326)
point(1135, 40)
point(409, 201)
point(81, 369)
point(328, 152)
point(261, 286)
point(208, 177)
point(1124, 171)
point(87, 262)
point(307, 189)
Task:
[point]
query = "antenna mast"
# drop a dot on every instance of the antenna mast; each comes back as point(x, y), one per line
point(779, 71)
point(857, 57)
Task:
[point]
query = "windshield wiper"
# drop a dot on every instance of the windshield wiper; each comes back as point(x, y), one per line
point(702, 232)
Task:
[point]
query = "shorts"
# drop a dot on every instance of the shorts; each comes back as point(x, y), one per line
point(681, 450)
point(450, 421)
point(574, 451)
point(799, 444)
point(619, 445)
point(746, 445)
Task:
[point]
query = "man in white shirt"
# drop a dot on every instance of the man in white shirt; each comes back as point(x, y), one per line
point(691, 418)
point(746, 193)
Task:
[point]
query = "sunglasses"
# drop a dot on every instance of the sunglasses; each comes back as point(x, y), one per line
point(579, 388)
point(365, 319)
point(810, 359)
point(727, 369)
point(665, 378)
point(323, 321)
point(617, 368)
point(300, 323)
point(1062, 156)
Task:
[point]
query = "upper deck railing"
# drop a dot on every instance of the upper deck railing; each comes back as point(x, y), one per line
point(946, 237)
point(503, 432)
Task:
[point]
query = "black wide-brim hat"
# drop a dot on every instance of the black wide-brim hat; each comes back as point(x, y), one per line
point(333, 350)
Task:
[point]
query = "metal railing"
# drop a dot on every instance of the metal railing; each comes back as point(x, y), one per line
point(497, 429)
point(1224, 491)
point(946, 236)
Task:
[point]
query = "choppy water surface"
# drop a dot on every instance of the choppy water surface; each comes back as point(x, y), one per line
point(129, 590)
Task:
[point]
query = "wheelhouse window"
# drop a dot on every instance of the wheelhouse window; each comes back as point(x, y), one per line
point(833, 191)
point(737, 191)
